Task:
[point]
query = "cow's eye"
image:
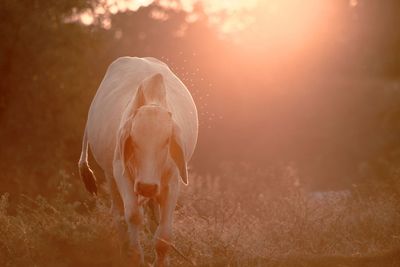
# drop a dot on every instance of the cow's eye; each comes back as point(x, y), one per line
point(134, 144)
point(166, 142)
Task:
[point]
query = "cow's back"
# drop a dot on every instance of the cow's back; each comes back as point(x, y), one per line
point(116, 90)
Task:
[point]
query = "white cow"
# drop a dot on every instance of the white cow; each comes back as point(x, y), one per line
point(142, 129)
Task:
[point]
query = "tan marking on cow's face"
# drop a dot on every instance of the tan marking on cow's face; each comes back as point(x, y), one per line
point(150, 134)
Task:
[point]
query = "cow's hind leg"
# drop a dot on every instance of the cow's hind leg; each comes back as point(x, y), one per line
point(117, 209)
point(117, 206)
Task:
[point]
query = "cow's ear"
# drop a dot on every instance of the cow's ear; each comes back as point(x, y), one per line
point(124, 148)
point(137, 101)
point(177, 153)
point(127, 155)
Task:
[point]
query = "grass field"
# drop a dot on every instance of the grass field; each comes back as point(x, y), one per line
point(235, 219)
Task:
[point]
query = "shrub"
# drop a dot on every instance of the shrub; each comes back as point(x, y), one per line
point(236, 219)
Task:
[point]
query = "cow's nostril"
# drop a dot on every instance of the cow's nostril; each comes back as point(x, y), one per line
point(146, 190)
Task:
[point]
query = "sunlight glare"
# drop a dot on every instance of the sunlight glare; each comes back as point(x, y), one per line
point(278, 23)
point(87, 18)
point(285, 24)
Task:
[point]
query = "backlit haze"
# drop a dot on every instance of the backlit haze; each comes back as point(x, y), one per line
point(298, 155)
point(280, 86)
point(278, 21)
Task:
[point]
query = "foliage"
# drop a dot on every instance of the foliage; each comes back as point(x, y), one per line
point(338, 125)
point(217, 223)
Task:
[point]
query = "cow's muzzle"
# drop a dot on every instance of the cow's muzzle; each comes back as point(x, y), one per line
point(146, 190)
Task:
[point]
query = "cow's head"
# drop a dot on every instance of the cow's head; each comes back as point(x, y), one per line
point(149, 140)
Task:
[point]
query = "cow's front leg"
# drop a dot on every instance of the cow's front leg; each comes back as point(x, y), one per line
point(167, 200)
point(132, 214)
point(133, 219)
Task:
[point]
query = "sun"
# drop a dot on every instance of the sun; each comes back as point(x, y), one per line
point(288, 21)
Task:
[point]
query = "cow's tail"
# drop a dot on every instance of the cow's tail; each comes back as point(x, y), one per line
point(85, 172)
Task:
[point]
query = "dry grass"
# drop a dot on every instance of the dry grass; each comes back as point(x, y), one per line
point(243, 218)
